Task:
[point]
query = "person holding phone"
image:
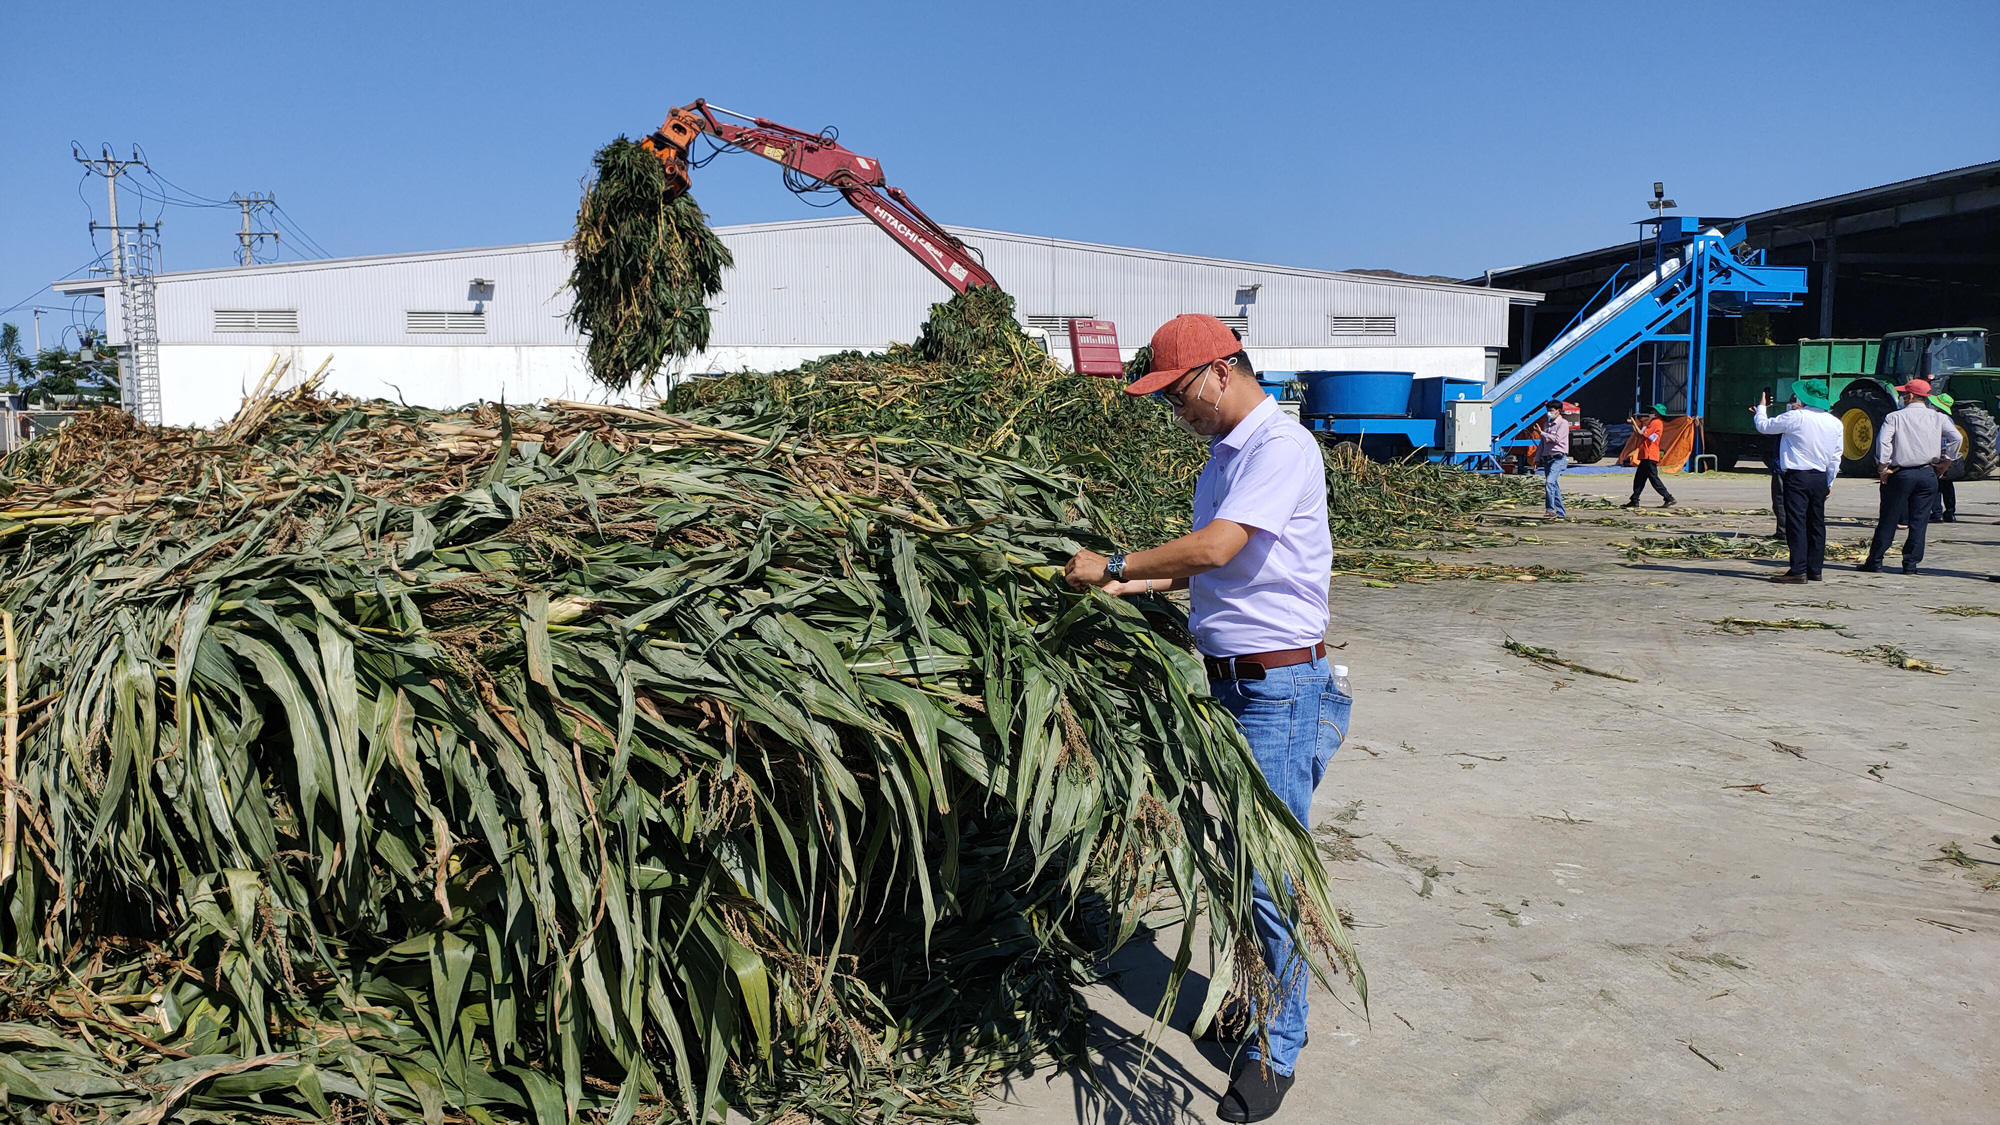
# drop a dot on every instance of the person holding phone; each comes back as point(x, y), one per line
point(1552, 457)
point(1647, 427)
point(1808, 459)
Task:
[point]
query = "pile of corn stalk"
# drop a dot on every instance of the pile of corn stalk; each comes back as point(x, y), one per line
point(1413, 505)
point(582, 761)
point(975, 379)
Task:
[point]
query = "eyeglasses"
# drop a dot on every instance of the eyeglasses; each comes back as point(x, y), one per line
point(1178, 399)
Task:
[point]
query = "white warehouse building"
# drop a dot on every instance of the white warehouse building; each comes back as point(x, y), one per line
point(450, 327)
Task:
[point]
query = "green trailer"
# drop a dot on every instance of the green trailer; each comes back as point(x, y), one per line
point(1738, 375)
point(1862, 376)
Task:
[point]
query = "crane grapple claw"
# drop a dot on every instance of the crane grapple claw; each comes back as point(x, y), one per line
point(671, 143)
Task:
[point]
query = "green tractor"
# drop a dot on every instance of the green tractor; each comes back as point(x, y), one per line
point(1862, 377)
point(1953, 361)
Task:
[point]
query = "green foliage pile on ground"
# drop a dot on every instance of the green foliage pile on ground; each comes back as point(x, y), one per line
point(645, 265)
point(1410, 503)
point(586, 762)
point(974, 379)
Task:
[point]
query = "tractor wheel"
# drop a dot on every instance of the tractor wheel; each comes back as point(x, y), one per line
point(1982, 439)
point(1860, 410)
point(1586, 442)
point(1726, 452)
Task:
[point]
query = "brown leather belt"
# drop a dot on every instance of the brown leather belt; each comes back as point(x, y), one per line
point(1253, 665)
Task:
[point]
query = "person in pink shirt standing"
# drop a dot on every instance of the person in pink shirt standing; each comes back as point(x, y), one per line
point(1552, 457)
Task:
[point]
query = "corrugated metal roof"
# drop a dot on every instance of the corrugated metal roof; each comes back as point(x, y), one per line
point(1797, 216)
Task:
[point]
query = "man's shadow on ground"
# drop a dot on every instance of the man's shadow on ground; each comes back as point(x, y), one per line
point(1166, 1091)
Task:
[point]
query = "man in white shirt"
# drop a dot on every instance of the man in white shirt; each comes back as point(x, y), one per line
point(1256, 568)
point(1914, 445)
point(1808, 460)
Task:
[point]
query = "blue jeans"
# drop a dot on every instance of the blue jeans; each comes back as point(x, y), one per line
point(1294, 719)
point(1552, 470)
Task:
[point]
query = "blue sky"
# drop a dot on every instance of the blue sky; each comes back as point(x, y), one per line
point(1438, 137)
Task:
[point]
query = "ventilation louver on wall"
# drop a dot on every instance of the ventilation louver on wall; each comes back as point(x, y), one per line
point(1240, 324)
point(1361, 325)
point(459, 322)
point(256, 320)
point(1057, 326)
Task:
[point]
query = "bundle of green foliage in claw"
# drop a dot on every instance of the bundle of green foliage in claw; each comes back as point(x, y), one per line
point(645, 265)
point(587, 763)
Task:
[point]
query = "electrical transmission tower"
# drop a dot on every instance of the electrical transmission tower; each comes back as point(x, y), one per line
point(139, 360)
point(249, 237)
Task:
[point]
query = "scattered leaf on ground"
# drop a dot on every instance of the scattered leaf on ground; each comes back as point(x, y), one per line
point(1744, 626)
point(1964, 610)
point(1895, 657)
point(1549, 658)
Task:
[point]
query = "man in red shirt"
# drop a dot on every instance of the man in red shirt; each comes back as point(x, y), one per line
point(1646, 426)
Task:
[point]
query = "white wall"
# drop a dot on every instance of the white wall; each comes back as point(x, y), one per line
point(203, 383)
point(1427, 363)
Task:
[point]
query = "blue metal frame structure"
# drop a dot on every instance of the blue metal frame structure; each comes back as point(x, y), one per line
point(1696, 274)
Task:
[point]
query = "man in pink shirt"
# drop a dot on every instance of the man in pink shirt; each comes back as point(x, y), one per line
point(1552, 457)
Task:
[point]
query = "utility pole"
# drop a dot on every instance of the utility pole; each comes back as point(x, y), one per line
point(139, 359)
point(252, 203)
point(110, 167)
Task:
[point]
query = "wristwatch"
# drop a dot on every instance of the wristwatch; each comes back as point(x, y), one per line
point(1115, 566)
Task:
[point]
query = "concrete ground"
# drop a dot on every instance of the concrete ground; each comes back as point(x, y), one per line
point(1588, 900)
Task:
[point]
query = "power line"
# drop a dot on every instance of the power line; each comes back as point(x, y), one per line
point(195, 195)
point(30, 297)
point(299, 233)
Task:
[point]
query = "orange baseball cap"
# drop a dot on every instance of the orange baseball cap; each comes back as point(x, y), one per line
point(1182, 344)
point(1915, 387)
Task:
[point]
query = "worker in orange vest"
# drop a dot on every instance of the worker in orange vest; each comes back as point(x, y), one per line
point(1646, 427)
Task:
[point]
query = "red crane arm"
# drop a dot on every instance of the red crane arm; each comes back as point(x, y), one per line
point(819, 159)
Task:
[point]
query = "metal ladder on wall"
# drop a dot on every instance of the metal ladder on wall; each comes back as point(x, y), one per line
point(142, 328)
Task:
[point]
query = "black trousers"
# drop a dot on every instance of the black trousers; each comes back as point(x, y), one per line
point(1907, 497)
point(1947, 501)
point(1805, 520)
point(1778, 502)
point(1649, 471)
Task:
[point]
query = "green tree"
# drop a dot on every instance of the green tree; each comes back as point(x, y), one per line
point(17, 364)
point(91, 372)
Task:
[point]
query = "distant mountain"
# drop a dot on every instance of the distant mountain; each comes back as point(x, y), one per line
point(1401, 276)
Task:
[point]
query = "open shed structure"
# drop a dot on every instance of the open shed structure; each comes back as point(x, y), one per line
point(1917, 253)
